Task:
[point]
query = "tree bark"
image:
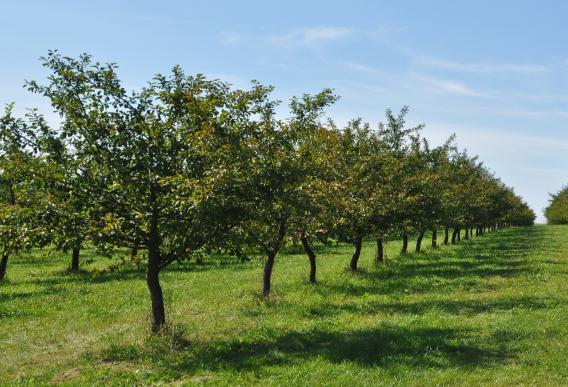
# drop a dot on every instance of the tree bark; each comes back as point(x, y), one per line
point(75, 256)
point(459, 235)
point(356, 254)
point(269, 264)
point(380, 251)
point(419, 241)
point(3, 265)
point(311, 257)
point(446, 234)
point(466, 236)
point(153, 270)
point(270, 256)
point(404, 248)
point(434, 238)
point(454, 236)
point(134, 251)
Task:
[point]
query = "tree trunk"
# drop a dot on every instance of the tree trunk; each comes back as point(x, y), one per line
point(446, 234)
point(419, 241)
point(454, 236)
point(153, 270)
point(75, 258)
point(434, 237)
point(466, 236)
point(380, 251)
point(153, 281)
point(311, 257)
point(356, 254)
point(270, 256)
point(267, 273)
point(404, 248)
point(133, 251)
point(459, 234)
point(3, 265)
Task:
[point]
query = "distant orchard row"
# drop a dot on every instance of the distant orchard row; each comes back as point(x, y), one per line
point(557, 210)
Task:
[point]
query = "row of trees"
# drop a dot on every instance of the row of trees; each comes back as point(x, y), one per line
point(557, 210)
point(189, 165)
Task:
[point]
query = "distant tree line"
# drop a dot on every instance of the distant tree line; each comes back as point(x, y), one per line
point(187, 166)
point(557, 210)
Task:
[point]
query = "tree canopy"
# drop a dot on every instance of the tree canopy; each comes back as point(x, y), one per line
point(557, 210)
point(187, 165)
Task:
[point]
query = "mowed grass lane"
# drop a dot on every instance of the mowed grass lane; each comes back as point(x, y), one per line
point(492, 310)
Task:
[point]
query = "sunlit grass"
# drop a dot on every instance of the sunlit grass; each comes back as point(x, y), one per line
point(488, 311)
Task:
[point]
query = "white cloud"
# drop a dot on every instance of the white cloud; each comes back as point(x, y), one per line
point(362, 68)
point(310, 37)
point(522, 112)
point(482, 68)
point(231, 38)
point(446, 86)
point(521, 144)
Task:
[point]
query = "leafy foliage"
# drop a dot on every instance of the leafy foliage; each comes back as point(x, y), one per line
point(557, 210)
point(187, 166)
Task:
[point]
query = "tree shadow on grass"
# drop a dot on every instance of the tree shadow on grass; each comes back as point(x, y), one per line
point(18, 295)
point(385, 346)
point(388, 345)
point(466, 307)
point(467, 264)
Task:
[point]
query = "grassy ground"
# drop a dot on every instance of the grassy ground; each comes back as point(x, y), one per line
point(489, 311)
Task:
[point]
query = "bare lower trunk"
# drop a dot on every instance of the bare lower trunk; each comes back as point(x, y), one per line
point(454, 236)
point(153, 271)
point(75, 257)
point(446, 235)
point(311, 257)
point(459, 234)
point(3, 265)
point(379, 258)
point(356, 254)
point(404, 248)
point(156, 296)
point(134, 251)
point(434, 238)
point(268, 265)
point(419, 241)
point(466, 236)
point(270, 257)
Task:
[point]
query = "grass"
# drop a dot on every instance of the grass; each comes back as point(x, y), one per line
point(487, 311)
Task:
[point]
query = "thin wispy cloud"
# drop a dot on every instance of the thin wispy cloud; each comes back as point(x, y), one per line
point(524, 112)
point(307, 37)
point(446, 86)
point(496, 140)
point(362, 68)
point(231, 37)
point(310, 37)
point(482, 68)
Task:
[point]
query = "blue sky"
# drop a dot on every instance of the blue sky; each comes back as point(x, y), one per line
point(494, 73)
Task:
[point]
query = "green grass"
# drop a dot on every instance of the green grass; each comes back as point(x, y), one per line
point(488, 311)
